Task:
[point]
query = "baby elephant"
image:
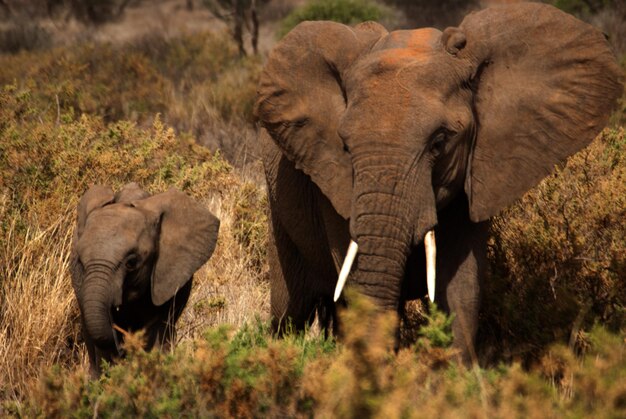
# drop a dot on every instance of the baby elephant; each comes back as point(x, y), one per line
point(133, 258)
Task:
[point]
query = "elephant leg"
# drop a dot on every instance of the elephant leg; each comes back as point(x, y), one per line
point(162, 332)
point(461, 264)
point(302, 265)
point(292, 298)
point(328, 318)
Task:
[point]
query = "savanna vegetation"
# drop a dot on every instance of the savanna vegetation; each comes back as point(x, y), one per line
point(175, 110)
point(349, 12)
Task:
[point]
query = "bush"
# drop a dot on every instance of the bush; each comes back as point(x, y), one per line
point(558, 258)
point(226, 373)
point(434, 13)
point(438, 328)
point(582, 7)
point(197, 82)
point(349, 12)
point(46, 167)
point(247, 373)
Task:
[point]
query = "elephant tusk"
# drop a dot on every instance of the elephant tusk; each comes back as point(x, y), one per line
point(431, 262)
point(345, 269)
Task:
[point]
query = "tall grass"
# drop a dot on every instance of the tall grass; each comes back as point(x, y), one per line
point(38, 317)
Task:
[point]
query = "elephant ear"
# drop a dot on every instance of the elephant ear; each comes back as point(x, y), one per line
point(546, 84)
point(301, 100)
point(188, 233)
point(96, 197)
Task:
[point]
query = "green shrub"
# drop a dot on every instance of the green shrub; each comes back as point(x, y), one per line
point(227, 373)
point(582, 7)
point(248, 373)
point(349, 12)
point(437, 331)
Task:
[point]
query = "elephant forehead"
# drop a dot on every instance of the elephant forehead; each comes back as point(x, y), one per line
point(415, 45)
point(116, 225)
point(409, 55)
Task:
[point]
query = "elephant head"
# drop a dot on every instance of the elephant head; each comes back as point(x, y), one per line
point(130, 246)
point(393, 126)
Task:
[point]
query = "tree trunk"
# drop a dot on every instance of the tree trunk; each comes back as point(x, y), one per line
point(255, 28)
point(239, 23)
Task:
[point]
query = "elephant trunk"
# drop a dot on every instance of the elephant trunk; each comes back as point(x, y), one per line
point(96, 303)
point(383, 236)
point(390, 215)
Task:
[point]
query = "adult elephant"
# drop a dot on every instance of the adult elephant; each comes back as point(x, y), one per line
point(132, 261)
point(383, 139)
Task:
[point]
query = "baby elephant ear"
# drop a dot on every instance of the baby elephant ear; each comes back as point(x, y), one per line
point(187, 239)
point(96, 197)
point(546, 84)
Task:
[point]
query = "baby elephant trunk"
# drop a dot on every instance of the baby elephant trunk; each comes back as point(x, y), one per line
point(96, 305)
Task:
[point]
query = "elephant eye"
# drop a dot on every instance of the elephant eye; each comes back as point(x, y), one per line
point(438, 142)
point(132, 262)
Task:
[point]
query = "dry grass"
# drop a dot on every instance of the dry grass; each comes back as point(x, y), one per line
point(231, 288)
point(38, 317)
